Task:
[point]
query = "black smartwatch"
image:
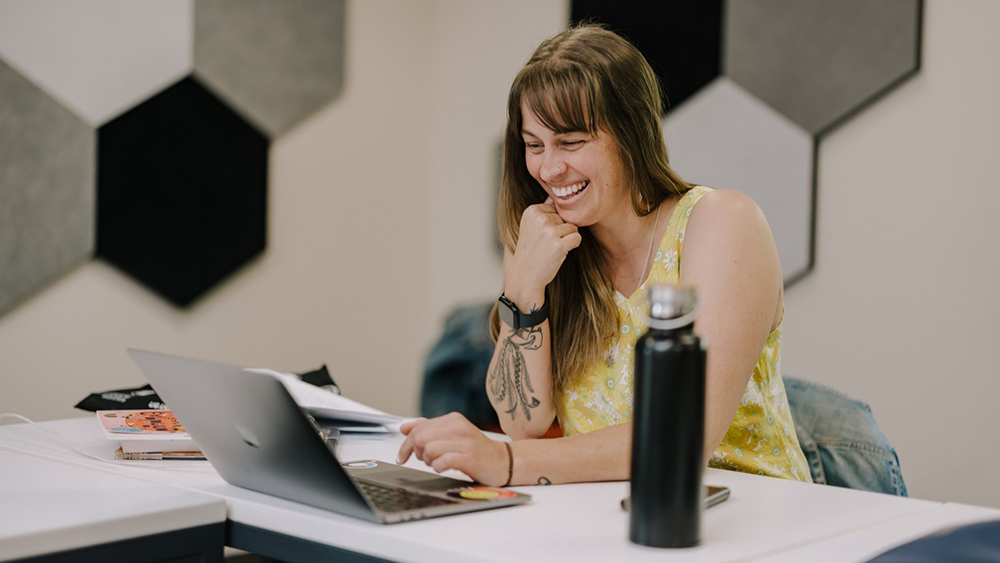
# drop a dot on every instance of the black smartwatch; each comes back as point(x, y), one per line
point(516, 319)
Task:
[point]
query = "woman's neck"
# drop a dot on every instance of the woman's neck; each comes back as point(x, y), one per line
point(626, 237)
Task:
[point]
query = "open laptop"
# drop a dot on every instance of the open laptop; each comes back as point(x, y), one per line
point(257, 437)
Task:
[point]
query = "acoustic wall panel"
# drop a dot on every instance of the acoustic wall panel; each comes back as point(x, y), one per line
point(816, 61)
point(733, 140)
point(98, 57)
point(276, 62)
point(183, 190)
point(791, 72)
point(681, 39)
point(46, 188)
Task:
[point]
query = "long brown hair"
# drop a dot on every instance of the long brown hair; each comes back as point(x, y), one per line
point(584, 79)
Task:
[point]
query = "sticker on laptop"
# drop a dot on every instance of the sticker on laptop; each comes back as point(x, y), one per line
point(368, 464)
point(481, 493)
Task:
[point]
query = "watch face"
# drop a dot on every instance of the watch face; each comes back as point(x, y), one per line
point(506, 313)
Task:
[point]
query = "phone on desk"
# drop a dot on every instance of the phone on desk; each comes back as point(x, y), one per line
point(713, 496)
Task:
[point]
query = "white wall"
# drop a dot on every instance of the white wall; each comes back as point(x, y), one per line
point(345, 276)
point(381, 221)
point(478, 48)
point(903, 308)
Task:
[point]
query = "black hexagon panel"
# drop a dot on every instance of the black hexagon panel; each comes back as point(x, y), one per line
point(182, 198)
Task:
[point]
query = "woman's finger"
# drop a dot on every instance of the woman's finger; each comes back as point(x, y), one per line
point(408, 425)
point(571, 241)
point(404, 451)
point(564, 229)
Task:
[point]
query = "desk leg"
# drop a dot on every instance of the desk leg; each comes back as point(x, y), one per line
point(287, 548)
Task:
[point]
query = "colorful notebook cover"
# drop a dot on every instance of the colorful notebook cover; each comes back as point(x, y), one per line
point(145, 431)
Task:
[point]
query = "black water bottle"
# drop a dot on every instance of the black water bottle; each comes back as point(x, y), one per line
point(669, 423)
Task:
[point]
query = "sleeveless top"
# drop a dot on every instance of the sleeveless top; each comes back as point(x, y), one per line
point(761, 438)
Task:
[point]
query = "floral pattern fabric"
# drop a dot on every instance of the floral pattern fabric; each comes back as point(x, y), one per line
point(761, 438)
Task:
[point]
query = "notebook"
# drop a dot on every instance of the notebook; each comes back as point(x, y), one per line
point(257, 437)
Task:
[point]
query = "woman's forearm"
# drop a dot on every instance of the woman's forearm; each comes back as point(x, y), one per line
point(602, 455)
point(519, 381)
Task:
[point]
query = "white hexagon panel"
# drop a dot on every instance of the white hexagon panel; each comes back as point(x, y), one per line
point(99, 57)
point(724, 137)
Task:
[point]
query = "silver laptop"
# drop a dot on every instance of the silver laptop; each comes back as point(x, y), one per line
point(257, 437)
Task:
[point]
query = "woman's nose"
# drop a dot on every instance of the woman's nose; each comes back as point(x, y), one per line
point(553, 166)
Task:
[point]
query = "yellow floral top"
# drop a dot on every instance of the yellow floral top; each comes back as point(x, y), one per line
point(761, 438)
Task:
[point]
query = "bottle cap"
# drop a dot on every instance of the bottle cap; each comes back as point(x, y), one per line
point(672, 306)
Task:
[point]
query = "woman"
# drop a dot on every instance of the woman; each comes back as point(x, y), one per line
point(590, 213)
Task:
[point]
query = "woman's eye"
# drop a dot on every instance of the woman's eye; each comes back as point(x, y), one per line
point(573, 144)
point(533, 146)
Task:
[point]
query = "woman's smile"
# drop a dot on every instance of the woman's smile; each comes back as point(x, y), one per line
point(567, 192)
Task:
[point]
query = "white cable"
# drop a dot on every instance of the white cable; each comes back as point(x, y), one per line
point(127, 463)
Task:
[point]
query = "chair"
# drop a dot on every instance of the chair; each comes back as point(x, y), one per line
point(839, 436)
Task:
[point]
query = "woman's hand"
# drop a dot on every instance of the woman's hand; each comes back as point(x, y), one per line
point(452, 442)
point(543, 242)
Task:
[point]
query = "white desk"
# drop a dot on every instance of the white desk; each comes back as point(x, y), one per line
point(765, 518)
point(50, 507)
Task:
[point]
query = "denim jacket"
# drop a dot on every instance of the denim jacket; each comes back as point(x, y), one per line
point(842, 443)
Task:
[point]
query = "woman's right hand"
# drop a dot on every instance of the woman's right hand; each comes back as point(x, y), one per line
point(543, 242)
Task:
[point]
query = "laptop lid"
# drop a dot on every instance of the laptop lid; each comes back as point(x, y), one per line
point(256, 436)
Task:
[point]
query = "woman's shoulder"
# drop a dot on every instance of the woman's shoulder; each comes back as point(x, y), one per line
point(728, 221)
point(719, 209)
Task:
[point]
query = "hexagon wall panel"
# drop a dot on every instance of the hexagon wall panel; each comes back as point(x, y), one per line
point(183, 189)
point(791, 71)
point(817, 61)
point(680, 39)
point(276, 62)
point(733, 140)
point(98, 57)
point(46, 188)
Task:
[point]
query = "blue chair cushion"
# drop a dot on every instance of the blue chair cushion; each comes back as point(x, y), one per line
point(972, 542)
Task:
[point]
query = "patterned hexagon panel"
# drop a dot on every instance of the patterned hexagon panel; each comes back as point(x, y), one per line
point(785, 73)
point(139, 130)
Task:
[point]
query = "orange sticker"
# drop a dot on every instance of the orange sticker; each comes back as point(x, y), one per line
point(481, 493)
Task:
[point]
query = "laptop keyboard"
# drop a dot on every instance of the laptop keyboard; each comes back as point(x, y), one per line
point(392, 499)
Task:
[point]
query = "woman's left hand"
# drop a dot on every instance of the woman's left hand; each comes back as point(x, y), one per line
point(452, 442)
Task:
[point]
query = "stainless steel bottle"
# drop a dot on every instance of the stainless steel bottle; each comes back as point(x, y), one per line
point(669, 422)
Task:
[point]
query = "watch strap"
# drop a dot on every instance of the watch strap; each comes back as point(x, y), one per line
point(520, 319)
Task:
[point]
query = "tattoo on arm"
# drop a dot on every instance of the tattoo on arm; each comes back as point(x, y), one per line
point(543, 481)
point(509, 380)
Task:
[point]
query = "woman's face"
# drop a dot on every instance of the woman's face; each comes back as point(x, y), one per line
point(582, 173)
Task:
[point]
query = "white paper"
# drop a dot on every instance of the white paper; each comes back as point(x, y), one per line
point(325, 404)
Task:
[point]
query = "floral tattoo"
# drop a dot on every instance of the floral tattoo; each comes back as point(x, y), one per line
point(509, 380)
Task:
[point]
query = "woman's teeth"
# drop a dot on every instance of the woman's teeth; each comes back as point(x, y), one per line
point(569, 190)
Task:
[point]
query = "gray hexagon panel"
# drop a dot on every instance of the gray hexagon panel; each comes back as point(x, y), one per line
point(275, 62)
point(818, 61)
point(46, 188)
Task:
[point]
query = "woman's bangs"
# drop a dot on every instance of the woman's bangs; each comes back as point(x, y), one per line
point(561, 103)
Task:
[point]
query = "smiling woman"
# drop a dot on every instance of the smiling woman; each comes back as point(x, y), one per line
point(587, 192)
